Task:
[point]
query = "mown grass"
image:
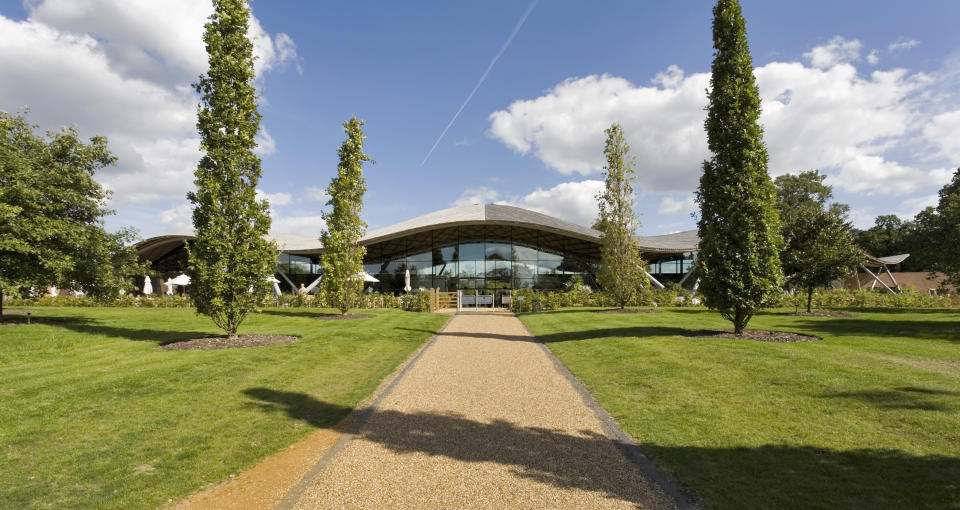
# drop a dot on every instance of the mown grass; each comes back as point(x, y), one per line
point(868, 417)
point(92, 415)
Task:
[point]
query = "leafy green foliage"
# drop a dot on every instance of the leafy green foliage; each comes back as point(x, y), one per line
point(940, 231)
point(739, 228)
point(342, 253)
point(51, 214)
point(229, 255)
point(818, 244)
point(621, 267)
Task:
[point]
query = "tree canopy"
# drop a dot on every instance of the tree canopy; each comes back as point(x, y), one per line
point(739, 228)
point(940, 231)
point(621, 267)
point(229, 256)
point(52, 211)
point(342, 253)
point(818, 241)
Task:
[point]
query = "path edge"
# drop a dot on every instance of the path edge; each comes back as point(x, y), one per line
point(681, 498)
point(360, 415)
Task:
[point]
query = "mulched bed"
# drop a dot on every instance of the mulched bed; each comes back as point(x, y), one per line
point(754, 334)
point(222, 342)
point(338, 316)
point(628, 310)
point(821, 313)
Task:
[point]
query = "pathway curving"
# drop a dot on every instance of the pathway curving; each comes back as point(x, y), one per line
point(483, 418)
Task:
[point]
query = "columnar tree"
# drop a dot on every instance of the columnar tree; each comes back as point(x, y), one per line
point(342, 253)
point(51, 214)
point(818, 243)
point(621, 267)
point(739, 262)
point(229, 255)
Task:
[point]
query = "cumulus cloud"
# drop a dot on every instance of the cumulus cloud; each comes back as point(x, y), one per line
point(317, 193)
point(275, 199)
point(837, 51)
point(833, 119)
point(572, 201)
point(684, 205)
point(480, 195)
point(902, 43)
point(122, 68)
point(178, 219)
point(873, 58)
point(308, 225)
point(944, 131)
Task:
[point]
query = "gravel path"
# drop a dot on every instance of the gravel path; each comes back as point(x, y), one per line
point(482, 420)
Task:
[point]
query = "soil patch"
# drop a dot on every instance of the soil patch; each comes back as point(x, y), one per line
point(821, 313)
point(754, 334)
point(338, 316)
point(628, 310)
point(222, 342)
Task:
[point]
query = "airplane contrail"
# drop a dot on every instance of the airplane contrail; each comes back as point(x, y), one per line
point(483, 77)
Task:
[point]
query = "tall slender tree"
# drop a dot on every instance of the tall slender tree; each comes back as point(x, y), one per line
point(342, 253)
point(739, 263)
point(818, 243)
point(621, 267)
point(940, 228)
point(229, 254)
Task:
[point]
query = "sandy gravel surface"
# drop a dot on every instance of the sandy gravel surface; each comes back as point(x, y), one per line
point(482, 420)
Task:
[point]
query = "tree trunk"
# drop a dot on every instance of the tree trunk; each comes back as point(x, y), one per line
point(739, 321)
point(809, 298)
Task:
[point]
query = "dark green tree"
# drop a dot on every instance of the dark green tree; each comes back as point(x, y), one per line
point(51, 214)
point(739, 259)
point(621, 267)
point(818, 243)
point(342, 253)
point(940, 229)
point(229, 255)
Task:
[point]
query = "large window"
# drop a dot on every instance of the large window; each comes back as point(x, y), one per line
point(483, 258)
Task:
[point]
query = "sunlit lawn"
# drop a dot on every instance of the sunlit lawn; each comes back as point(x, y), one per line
point(868, 417)
point(92, 415)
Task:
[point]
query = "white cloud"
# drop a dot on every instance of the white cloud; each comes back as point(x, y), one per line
point(317, 193)
point(177, 219)
point(873, 58)
point(944, 131)
point(311, 225)
point(480, 195)
point(835, 119)
point(572, 201)
point(121, 68)
point(685, 205)
point(275, 199)
point(837, 51)
point(902, 43)
point(266, 145)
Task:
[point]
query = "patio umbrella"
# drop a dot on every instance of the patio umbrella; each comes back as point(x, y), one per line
point(147, 286)
point(406, 281)
point(181, 280)
point(169, 285)
point(54, 292)
point(366, 277)
point(276, 285)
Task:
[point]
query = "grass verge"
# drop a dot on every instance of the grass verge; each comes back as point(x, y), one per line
point(92, 415)
point(868, 417)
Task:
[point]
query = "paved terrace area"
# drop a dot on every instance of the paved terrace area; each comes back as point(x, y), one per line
point(483, 418)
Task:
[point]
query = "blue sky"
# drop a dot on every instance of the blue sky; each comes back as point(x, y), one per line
point(867, 91)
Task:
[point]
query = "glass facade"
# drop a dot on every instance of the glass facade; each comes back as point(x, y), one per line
point(485, 258)
point(672, 267)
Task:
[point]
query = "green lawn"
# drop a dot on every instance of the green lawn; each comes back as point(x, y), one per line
point(868, 417)
point(92, 415)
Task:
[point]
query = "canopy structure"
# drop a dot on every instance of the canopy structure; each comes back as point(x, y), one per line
point(883, 264)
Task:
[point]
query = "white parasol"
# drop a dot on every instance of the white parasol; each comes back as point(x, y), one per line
point(366, 277)
point(406, 281)
point(54, 292)
point(181, 280)
point(276, 285)
point(147, 286)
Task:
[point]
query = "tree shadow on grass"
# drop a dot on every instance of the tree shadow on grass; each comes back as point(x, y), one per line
point(298, 406)
point(768, 476)
point(88, 326)
point(930, 330)
point(905, 397)
point(587, 461)
point(590, 334)
point(803, 477)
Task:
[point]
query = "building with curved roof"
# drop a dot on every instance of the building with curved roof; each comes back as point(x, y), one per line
point(486, 247)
